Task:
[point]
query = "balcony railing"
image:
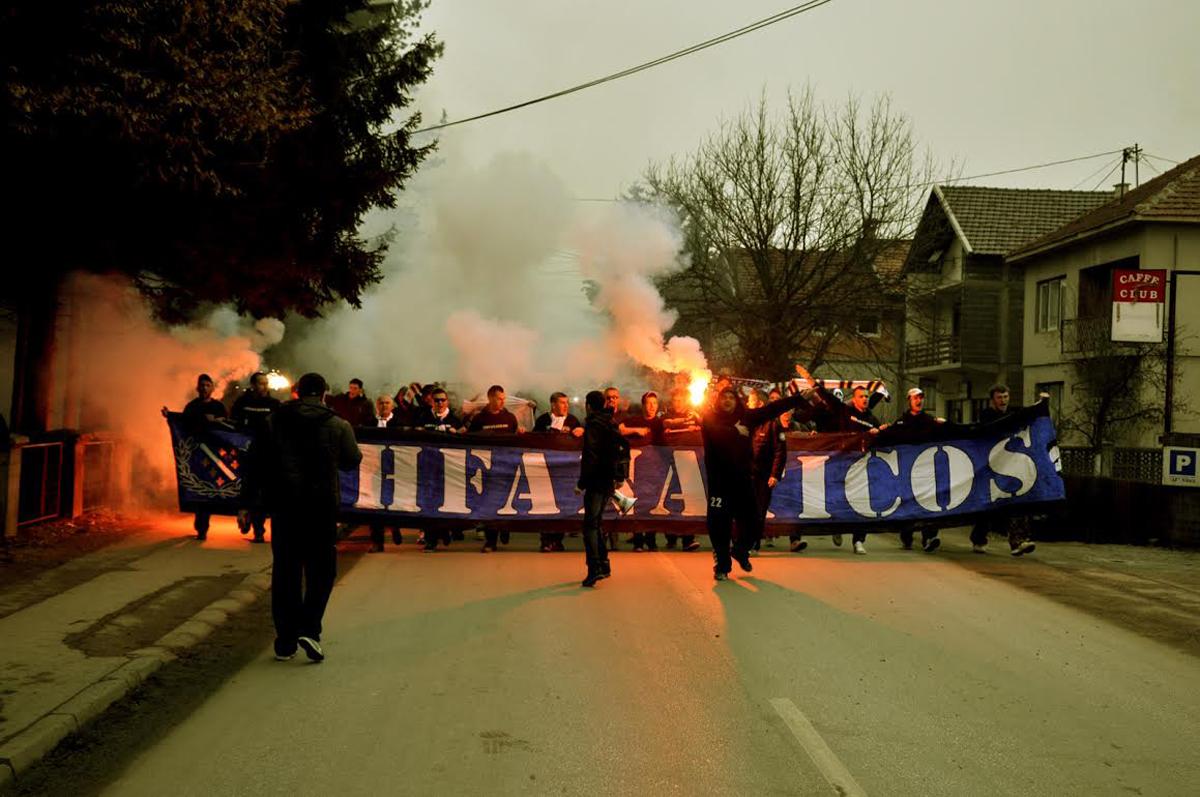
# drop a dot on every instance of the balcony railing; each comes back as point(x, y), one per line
point(924, 353)
point(1081, 335)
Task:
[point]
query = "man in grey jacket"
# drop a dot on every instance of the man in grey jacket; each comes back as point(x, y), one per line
point(306, 448)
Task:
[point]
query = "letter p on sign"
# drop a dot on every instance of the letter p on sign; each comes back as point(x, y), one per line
point(1183, 463)
point(1181, 467)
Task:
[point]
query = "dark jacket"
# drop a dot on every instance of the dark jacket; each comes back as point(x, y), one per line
point(359, 411)
point(502, 422)
point(990, 413)
point(728, 448)
point(638, 420)
point(431, 423)
point(542, 424)
point(308, 445)
point(196, 412)
point(605, 459)
point(251, 411)
point(920, 422)
point(769, 447)
point(843, 417)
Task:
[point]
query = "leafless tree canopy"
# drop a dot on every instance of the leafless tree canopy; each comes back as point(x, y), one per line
point(786, 218)
point(1117, 388)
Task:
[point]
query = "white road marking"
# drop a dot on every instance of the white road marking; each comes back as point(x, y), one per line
point(827, 762)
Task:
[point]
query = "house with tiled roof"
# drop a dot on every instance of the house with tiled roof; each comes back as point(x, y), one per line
point(964, 304)
point(1068, 290)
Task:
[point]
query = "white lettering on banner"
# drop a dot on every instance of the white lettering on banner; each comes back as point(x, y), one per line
point(541, 490)
point(691, 485)
point(370, 476)
point(627, 489)
point(1013, 464)
point(924, 477)
point(404, 485)
point(858, 483)
point(812, 487)
point(454, 481)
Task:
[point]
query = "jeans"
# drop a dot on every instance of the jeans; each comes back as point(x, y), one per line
point(595, 552)
point(304, 569)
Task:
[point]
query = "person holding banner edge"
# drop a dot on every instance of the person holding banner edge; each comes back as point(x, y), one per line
point(603, 466)
point(727, 428)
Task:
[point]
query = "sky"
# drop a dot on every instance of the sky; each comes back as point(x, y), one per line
point(988, 85)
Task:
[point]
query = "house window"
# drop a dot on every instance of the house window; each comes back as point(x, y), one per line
point(1049, 305)
point(868, 326)
point(1055, 389)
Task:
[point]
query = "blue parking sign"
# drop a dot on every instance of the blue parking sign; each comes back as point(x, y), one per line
point(1181, 466)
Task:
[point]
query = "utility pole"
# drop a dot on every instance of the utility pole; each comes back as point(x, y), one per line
point(1134, 154)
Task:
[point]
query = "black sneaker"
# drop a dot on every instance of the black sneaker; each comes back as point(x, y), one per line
point(312, 648)
point(692, 546)
point(720, 575)
point(798, 545)
point(605, 569)
point(591, 580)
point(743, 560)
point(930, 545)
point(259, 538)
point(284, 650)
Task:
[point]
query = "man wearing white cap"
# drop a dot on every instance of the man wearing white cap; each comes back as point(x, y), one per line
point(915, 420)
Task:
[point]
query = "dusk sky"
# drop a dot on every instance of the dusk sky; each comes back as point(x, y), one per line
point(988, 86)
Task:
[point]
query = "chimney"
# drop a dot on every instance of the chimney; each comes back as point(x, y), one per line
point(1120, 189)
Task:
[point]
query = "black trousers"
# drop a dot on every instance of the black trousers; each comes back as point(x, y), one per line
point(377, 533)
point(594, 549)
point(735, 503)
point(1016, 527)
point(201, 521)
point(304, 569)
point(907, 530)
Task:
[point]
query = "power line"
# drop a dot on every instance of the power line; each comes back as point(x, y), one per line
point(1104, 179)
point(1164, 160)
point(1103, 166)
point(943, 181)
point(1022, 168)
point(695, 48)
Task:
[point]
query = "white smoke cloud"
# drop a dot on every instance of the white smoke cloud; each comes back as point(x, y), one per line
point(130, 366)
point(485, 284)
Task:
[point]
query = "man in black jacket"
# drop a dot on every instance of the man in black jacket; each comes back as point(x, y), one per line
point(769, 445)
point(727, 427)
point(916, 421)
point(438, 417)
point(308, 445)
point(201, 413)
point(558, 420)
point(1016, 526)
point(250, 414)
point(603, 466)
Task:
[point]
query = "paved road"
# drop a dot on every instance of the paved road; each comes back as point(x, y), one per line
point(892, 674)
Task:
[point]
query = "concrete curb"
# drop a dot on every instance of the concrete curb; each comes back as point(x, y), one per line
point(29, 746)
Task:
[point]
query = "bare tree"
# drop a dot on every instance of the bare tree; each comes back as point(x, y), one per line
point(1117, 388)
point(785, 220)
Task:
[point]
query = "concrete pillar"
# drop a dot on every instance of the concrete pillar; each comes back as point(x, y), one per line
point(10, 481)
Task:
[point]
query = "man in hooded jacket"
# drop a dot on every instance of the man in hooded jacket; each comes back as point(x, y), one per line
point(307, 446)
point(603, 466)
point(727, 428)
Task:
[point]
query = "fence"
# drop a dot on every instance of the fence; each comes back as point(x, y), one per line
point(98, 462)
point(1143, 465)
point(40, 496)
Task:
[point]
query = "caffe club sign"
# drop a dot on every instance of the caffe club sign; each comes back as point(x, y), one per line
point(1138, 313)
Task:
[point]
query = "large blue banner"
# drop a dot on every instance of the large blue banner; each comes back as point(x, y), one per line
point(527, 481)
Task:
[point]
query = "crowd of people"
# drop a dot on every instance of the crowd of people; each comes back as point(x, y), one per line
point(744, 434)
point(301, 445)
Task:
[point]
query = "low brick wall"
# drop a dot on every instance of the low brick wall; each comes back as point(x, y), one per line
point(1113, 510)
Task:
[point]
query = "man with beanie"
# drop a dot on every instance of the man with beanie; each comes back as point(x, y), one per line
point(603, 466)
point(727, 428)
point(308, 445)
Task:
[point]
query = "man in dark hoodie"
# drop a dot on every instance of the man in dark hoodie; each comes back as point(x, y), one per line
point(769, 444)
point(307, 446)
point(727, 428)
point(917, 422)
point(603, 466)
point(251, 412)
